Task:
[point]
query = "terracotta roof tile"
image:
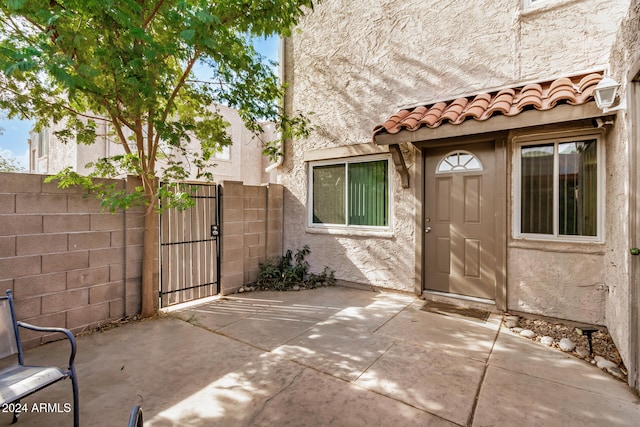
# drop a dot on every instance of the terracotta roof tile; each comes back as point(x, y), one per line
point(509, 102)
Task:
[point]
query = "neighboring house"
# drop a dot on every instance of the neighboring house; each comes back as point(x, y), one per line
point(242, 161)
point(492, 177)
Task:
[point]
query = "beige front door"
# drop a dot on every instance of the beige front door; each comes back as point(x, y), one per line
point(459, 220)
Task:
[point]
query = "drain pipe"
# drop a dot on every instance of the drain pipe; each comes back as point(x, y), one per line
point(279, 161)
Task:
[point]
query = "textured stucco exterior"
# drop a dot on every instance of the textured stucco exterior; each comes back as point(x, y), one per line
point(566, 285)
point(353, 64)
point(621, 269)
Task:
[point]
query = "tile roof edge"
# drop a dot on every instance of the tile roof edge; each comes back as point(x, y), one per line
point(584, 73)
point(576, 89)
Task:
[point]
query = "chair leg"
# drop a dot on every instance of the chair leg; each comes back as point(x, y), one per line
point(16, 413)
point(76, 405)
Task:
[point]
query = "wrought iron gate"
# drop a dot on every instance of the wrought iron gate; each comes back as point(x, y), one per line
point(190, 249)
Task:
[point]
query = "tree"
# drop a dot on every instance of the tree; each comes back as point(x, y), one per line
point(10, 165)
point(130, 63)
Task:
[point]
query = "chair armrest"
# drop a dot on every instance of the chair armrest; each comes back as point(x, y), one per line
point(64, 331)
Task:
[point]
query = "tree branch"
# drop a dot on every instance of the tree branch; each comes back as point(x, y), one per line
point(153, 14)
point(176, 90)
point(118, 129)
point(152, 146)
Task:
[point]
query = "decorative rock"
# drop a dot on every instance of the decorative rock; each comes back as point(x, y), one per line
point(616, 372)
point(296, 288)
point(516, 330)
point(606, 364)
point(511, 321)
point(610, 367)
point(527, 333)
point(566, 344)
point(546, 340)
point(241, 290)
point(599, 359)
point(582, 352)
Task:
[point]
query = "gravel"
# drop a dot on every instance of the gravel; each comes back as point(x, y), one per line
point(603, 345)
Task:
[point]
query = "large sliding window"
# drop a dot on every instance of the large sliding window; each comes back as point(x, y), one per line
point(350, 193)
point(558, 189)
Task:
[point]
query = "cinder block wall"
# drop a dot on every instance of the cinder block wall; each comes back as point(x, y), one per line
point(251, 231)
point(68, 263)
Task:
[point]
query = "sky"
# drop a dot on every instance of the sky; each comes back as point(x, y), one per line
point(15, 133)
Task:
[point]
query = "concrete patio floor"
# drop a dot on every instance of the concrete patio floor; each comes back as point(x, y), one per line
point(327, 357)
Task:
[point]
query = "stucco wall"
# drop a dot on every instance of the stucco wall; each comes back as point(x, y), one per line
point(246, 162)
point(566, 285)
point(625, 60)
point(354, 63)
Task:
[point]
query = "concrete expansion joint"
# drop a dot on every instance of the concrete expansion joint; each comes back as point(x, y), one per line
point(476, 399)
point(266, 402)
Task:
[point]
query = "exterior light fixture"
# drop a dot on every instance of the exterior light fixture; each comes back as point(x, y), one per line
point(605, 94)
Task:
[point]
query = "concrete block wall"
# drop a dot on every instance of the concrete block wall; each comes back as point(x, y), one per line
point(68, 263)
point(251, 224)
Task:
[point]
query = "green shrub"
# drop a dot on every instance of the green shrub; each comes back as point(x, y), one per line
point(284, 272)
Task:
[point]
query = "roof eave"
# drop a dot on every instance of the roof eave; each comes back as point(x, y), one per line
point(559, 114)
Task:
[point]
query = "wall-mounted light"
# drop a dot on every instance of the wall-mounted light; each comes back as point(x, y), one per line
point(605, 94)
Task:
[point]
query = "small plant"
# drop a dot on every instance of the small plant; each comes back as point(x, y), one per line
point(287, 271)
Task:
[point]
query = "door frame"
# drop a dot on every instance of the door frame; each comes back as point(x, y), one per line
point(633, 122)
point(500, 226)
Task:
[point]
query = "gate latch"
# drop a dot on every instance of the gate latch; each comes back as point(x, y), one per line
point(214, 231)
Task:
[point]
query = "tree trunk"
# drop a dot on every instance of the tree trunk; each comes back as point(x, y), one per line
point(149, 286)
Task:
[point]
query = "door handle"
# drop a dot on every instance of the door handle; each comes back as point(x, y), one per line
point(427, 229)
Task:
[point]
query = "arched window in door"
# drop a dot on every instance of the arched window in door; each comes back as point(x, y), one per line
point(459, 161)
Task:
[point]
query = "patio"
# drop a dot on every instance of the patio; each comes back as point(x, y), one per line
point(330, 356)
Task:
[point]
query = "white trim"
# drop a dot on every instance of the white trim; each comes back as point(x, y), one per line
point(558, 138)
point(345, 229)
point(454, 170)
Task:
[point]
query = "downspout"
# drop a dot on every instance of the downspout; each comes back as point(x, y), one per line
point(279, 161)
point(281, 76)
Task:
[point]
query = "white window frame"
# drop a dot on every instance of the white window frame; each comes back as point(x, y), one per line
point(464, 167)
point(558, 138)
point(224, 154)
point(43, 143)
point(346, 228)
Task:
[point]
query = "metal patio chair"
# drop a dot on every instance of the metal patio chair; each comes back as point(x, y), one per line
point(20, 380)
point(135, 419)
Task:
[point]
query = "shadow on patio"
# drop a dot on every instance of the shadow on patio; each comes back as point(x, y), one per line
point(330, 356)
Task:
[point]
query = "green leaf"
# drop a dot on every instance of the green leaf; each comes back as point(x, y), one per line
point(15, 4)
point(115, 71)
point(188, 34)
